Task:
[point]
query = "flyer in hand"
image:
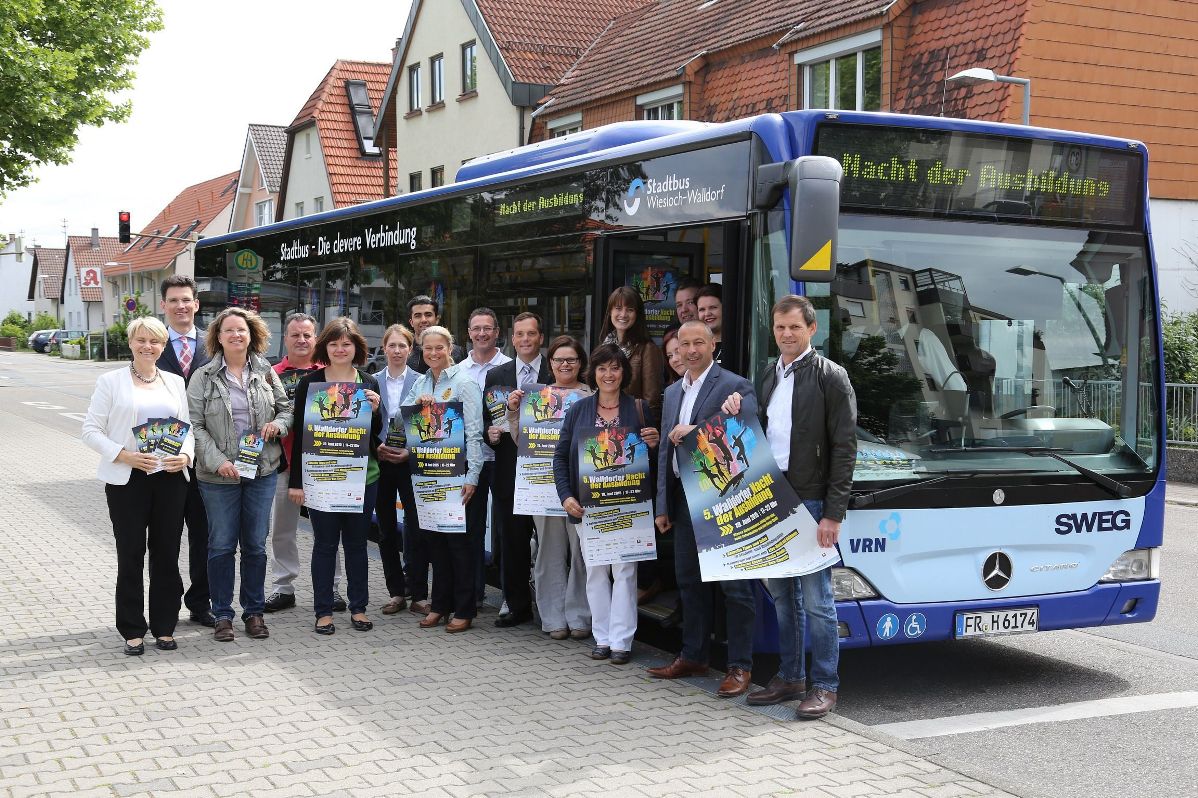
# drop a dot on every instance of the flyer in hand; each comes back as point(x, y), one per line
point(335, 449)
point(436, 434)
point(541, 413)
point(616, 496)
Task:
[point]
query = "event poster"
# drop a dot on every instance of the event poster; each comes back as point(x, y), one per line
point(617, 499)
point(289, 379)
point(336, 447)
point(656, 287)
point(541, 413)
point(436, 436)
point(496, 401)
point(249, 452)
point(161, 437)
point(749, 523)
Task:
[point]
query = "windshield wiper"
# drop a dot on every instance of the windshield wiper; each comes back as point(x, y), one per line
point(1113, 485)
point(882, 494)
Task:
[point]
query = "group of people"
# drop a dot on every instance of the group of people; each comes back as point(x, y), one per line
point(225, 388)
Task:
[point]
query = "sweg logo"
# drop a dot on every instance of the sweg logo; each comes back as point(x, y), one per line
point(891, 528)
point(1103, 521)
point(632, 203)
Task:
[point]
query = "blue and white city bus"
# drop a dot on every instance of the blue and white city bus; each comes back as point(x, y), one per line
point(990, 289)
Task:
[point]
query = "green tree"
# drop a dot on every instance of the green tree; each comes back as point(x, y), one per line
point(1180, 333)
point(877, 382)
point(60, 63)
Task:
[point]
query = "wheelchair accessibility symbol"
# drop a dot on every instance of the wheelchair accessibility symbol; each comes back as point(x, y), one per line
point(888, 626)
point(915, 624)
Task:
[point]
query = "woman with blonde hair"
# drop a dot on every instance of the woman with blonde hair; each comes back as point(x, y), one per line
point(237, 392)
point(146, 495)
point(452, 554)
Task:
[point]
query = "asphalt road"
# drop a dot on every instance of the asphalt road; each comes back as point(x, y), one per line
point(1109, 712)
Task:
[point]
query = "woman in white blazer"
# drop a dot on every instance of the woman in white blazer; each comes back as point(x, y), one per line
point(146, 493)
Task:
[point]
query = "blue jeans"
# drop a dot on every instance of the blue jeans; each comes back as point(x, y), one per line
point(238, 514)
point(350, 529)
point(806, 608)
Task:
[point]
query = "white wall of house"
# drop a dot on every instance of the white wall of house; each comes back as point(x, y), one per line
point(74, 309)
point(15, 267)
point(307, 177)
point(1175, 245)
point(463, 128)
point(251, 189)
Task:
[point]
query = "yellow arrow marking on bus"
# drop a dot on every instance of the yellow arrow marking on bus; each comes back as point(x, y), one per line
point(821, 261)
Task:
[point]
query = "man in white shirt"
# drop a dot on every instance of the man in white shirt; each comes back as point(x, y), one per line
point(483, 329)
point(184, 355)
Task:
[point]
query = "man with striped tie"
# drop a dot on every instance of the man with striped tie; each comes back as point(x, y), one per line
point(184, 355)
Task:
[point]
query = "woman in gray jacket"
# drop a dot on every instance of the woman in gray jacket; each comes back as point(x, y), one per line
point(235, 393)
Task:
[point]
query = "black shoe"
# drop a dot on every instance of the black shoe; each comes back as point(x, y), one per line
point(327, 629)
point(280, 601)
point(621, 657)
point(165, 645)
point(203, 618)
point(513, 619)
point(339, 604)
point(135, 651)
point(600, 652)
point(361, 626)
point(673, 620)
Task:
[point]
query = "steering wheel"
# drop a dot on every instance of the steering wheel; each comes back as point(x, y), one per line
point(1023, 411)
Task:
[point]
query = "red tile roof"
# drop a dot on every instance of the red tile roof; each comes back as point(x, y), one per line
point(353, 177)
point(648, 45)
point(541, 39)
point(200, 203)
point(51, 265)
point(82, 256)
point(947, 36)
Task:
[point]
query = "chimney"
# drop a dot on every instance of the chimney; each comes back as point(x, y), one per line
point(95, 238)
point(395, 49)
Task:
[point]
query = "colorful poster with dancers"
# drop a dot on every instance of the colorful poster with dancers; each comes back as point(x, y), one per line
point(749, 523)
point(656, 287)
point(496, 401)
point(617, 498)
point(436, 438)
point(336, 447)
point(541, 413)
point(249, 452)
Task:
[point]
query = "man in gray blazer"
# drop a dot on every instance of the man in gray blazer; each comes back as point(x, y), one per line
point(695, 397)
point(184, 354)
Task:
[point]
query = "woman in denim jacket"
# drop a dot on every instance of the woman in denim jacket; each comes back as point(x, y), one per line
point(234, 393)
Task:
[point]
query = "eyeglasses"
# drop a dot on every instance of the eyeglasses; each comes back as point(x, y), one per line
point(481, 329)
point(564, 361)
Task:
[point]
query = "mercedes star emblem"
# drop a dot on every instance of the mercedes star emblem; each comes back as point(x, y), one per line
point(997, 571)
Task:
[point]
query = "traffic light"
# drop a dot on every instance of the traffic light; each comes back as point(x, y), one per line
point(122, 220)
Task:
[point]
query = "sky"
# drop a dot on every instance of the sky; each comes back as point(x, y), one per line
point(216, 67)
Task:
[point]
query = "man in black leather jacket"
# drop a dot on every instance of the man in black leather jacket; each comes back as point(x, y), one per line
point(809, 413)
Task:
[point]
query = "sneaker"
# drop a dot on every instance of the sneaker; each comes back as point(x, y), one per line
point(339, 604)
point(280, 601)
point(503, 610)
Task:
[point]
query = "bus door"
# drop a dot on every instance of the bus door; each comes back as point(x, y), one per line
point(653, 268)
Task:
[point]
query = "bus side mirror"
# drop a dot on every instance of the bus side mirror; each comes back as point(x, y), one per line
point(814, 183)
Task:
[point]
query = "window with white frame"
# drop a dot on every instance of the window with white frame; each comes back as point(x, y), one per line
point(844, 75)
point(436, 74)
point(415, 183)
point(414, 88)
point(264, 212)
point(564, 125)
point(299, 209)
point(317, 204)
point(436, 176)
point(469, 67)
point(661, 104)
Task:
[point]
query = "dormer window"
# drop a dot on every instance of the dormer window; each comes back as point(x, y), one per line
point(363, 114)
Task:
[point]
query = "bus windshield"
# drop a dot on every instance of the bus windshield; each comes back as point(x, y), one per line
point(977, 347)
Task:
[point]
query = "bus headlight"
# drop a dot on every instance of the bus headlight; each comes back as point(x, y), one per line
point(848, 585)
point(1134, 566)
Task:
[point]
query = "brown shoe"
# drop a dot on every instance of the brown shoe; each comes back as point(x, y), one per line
point(677, 669)
point(223, 631)
point(736, 682)
point(431, 620)
point(777, 691)
point(559, 634)
point(819, 702)
point(255, 627)
point(422, 607)
point(393, 606)
point(458, 625)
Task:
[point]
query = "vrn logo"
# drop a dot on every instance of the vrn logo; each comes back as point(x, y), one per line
point(1103, 521)
point(891, 529)
point(632, 202)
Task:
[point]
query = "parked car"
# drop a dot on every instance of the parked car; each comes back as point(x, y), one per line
point(40, 340)
point(60, 337)
point(38, 336)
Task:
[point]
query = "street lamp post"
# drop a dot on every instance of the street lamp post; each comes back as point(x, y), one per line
point(124, 263)
point(983, 75)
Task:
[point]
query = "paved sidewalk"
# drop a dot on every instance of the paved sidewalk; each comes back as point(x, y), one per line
point(395, 711)
point(1182, 493)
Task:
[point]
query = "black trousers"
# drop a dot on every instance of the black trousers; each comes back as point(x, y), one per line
point(476, 518)
point(197, 598)
point(391, 543)
point(147, 515)
point(516, 561)
point(455, 565)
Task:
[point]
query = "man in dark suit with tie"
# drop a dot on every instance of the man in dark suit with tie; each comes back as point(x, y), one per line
point(515, 531)
point(184, 354)
point(697, 396)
